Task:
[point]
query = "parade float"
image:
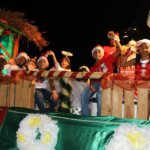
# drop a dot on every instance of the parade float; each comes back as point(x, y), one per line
point(119, 127)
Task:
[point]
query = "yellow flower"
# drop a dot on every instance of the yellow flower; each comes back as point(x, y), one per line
point(36, 132)
point(46, 138)
point(136, 139)
point(21, 137)
point(34, 122)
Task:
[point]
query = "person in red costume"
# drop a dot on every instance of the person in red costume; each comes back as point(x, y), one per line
point(102, 64)
point(141, 62)
point(111, 48)
point(142, 59)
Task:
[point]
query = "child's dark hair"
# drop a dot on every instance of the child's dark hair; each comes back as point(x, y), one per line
point(68, 60)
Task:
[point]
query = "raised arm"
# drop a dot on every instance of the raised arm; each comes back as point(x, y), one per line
point(119, 49)
point(53, 56)
point(111, 35)
point(53, 90)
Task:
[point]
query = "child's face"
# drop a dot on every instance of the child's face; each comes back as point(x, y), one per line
point(144, 50)
point(112, 43)
point(64, 63)
point(98, 55)
point(31, 65)
point(21, 61)
point(42, 64)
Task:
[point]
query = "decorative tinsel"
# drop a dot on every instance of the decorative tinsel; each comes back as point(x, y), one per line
point(64, 96)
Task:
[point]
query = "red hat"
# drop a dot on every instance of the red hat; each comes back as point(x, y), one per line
point(43, 58)
point(22, 54)
point(147, 41)
point(97, 48)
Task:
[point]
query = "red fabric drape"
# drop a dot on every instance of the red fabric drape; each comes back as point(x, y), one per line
point(16, 46)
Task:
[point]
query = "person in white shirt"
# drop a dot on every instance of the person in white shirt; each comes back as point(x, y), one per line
point(41, 88)
point(78, 85)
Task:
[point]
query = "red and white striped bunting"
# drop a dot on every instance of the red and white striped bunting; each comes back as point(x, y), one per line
point(68, 74)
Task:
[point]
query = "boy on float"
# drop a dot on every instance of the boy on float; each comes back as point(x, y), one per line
point(42, 92)
point(102, 64)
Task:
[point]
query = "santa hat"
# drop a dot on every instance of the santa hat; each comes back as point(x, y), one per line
point(43, 58)
point(85, 67)
point(2, 56)
point(97, 48)
point(22, 54)
point(142, 41)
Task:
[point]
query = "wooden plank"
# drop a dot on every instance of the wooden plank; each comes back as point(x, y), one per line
point(3, 94)
point(31, 96)
point(18, 94)
point(129, 104)
point(26, 92)
point(142, 112)
point(106, 109)
point(148, 117)
point(11, 93)
point(117, 96)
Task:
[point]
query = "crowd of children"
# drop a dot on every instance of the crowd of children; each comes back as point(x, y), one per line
point(73, 95)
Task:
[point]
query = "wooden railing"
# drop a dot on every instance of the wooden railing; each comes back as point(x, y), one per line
point(18, 95)
point(121, 103)
point(116, 101)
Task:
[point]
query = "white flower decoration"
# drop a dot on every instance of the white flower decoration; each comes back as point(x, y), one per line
point(37, 132)
point(130, 137)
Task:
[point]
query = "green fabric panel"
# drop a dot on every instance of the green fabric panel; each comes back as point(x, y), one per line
point(75, 132)
point(7, 41)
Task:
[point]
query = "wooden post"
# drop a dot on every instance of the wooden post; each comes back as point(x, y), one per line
point(11, 93)
point(142, 112)
point(3, 94)
point(129, 104)
point(106, 109)
point(31, 95)
point(117, 96)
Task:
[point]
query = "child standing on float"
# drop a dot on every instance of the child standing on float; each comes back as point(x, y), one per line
point(62, 85)
point(41, 88)
point(141, 62)
point(102, 64)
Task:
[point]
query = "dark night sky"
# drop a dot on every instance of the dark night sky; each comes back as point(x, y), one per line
point(78, 27)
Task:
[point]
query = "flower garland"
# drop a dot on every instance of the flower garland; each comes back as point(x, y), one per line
point(37, 132)
point(130, 137)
